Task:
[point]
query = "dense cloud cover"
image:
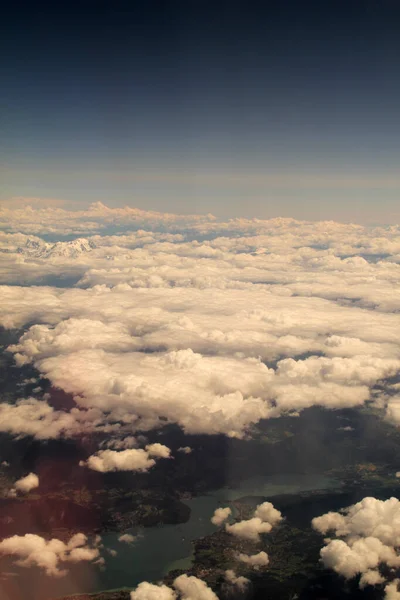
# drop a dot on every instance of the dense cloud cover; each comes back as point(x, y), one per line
point(33, 216)
point(184, 319)
point(367, 539)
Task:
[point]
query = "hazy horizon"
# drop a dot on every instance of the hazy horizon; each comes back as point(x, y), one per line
point(253, 109)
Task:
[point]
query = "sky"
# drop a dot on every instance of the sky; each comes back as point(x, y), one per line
point(254, 109)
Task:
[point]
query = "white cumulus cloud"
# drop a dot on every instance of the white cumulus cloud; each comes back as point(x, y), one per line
point(255, 560)
point(134, 459)
point(265, 517)
point(33, 550)
point(238, 581)
point(367, 537)
point(192, 588)
point(27, 483)
point(187, 588)
point(150, 591)
point(221, 515)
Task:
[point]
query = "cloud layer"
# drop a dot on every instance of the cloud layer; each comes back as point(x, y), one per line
point(209, 325)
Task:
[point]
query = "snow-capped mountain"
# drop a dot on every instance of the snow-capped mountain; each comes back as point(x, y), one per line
point(41, 249)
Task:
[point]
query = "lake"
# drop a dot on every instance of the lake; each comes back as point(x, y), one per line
point(165, 547)
point(156, 551)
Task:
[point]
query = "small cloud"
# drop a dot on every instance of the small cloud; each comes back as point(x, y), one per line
point(192, 588)
point(127, 538)
point(28, 483)
point(255, 560)
point(150, 591)
point(185, 450)
point(158, 450)
point(126, 460)
point(221, 515)
point(265, 517)
point(240, 582)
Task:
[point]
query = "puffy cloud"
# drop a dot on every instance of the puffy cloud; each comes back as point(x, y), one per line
point(158, 450)
point(358, 557)
point(249, 529)
point(185, 450)
point(33, 550)
point(127, 538)
point(135, 459)
point(371, 578)
point(221, 515)
point(158, 384)
point(188, 588)
point(392, 591)
point(192, 588)
point(331, 381)
point(27, 483)
point(255, 560)
point(267, 512)
point(393, 409)
point(369, 537)
point(149, 591)
point(239, 582)
point(265, 517)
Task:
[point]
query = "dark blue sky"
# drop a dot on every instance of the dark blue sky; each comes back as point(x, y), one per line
point(252, 108)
